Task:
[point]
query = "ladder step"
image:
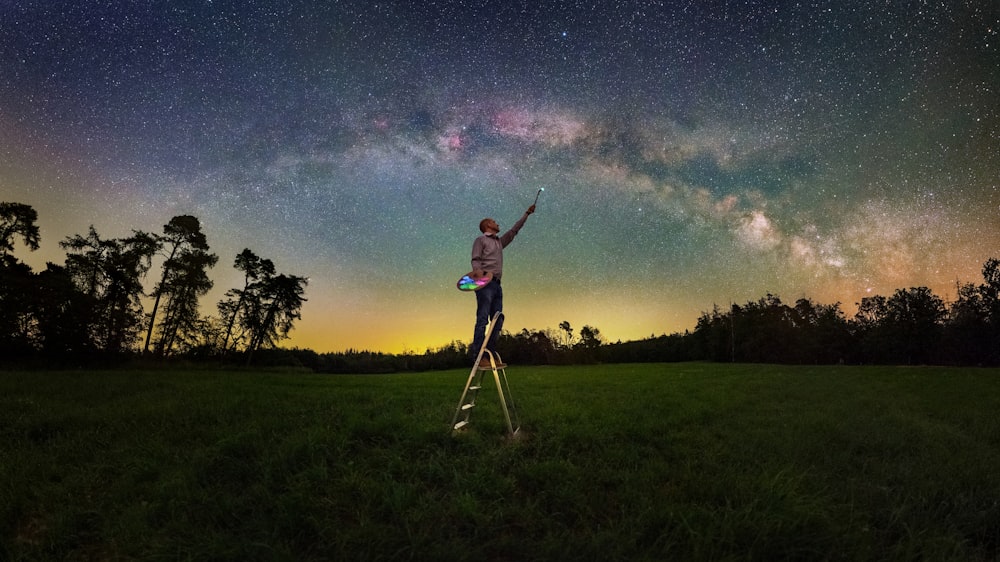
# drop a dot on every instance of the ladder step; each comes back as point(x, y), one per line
point(461, 424)
point(468, 406)
point(474, 387)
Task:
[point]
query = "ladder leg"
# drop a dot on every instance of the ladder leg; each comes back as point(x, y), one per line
point(468, 400)
point(497, 373)
point(507, 399)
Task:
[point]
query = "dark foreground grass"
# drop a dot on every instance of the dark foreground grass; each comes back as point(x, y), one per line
point(654, 462)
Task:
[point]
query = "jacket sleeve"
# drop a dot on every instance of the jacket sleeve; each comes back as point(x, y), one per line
point(508, 236)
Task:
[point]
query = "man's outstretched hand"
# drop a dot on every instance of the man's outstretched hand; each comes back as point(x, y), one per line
point(530, 210)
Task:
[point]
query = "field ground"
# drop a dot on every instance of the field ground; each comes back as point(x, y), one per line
point(688, 461)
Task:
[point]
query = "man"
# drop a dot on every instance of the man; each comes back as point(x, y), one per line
point(487, 258)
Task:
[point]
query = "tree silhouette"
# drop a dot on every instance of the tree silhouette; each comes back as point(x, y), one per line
point(188, 280)
point(590, 337)
point(16, 283)
point(819, 334)
point(17, 219)
point(110, 273)
point(273, 311)
point(184, 279)
point(991, 297)
point(967, 332)
point(254, 270)
point(62, 313)
point(904, 328)
point(16, 303)
point(526, 347)
point(568, 330)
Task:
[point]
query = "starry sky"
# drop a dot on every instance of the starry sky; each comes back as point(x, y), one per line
point(693, 152)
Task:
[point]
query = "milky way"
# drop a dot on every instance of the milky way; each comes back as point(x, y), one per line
point(692, 153)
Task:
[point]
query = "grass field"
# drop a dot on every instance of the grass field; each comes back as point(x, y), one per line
point(617, 462)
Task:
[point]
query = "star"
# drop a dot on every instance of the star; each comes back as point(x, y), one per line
point(727, 153)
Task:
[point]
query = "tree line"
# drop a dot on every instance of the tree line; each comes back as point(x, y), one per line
point(91, 307)
point(544, 347)
point(911, 327)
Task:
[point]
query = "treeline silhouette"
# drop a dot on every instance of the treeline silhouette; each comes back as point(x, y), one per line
point(911, 327)
point(525, 347)
point(90, 309)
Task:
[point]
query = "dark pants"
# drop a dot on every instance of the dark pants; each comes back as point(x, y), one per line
point(489, 301)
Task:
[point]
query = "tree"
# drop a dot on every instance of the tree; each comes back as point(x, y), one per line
point(713, 334)
point(16, 278)
point(821, 333)
point(904, 328)
point(587, 348)
point(568, 330)
point(535, 348)
point(590, 338)
point(967, 332)
point(183, 279)
point(17, 219)
point(763, 331)
point(184, 285)
point(973, 326)
point(916, 316)
point(767, 330)
point(871, 311)
point(990, 291)
point(254, 270)
point(62, 313)
point(16, 303)
point(991, 276)
point(869, 327)
point(832, 340)
point(110, 274)
point(272, 312)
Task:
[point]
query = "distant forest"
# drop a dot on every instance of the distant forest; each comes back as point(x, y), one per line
point(93, 310)
point(911, 327)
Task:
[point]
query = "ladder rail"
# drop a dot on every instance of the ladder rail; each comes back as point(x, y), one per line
point(509, 404)
point(474, 388)
point(472, 376)
point(503, 400)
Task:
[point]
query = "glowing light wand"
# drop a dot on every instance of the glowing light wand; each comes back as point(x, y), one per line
point(540, 190)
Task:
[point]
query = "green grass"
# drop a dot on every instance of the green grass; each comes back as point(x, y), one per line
point(617, 462)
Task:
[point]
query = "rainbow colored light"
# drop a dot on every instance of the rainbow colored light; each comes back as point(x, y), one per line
point(467, 283)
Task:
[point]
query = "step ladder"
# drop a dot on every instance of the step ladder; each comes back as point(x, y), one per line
point(475, 383)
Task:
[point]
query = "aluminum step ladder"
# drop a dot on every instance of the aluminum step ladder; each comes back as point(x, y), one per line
point(474, 384)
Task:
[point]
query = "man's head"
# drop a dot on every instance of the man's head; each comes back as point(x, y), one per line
point(489, 226)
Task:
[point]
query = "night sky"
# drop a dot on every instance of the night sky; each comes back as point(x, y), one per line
point(692, 153)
